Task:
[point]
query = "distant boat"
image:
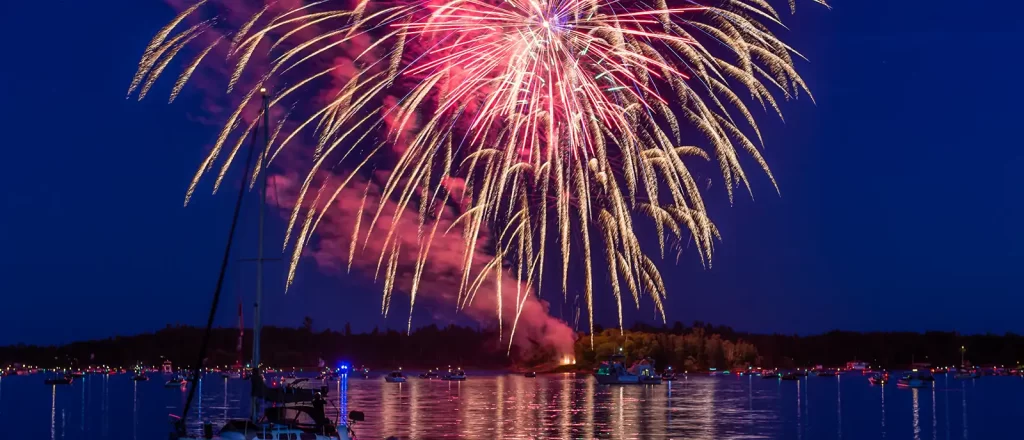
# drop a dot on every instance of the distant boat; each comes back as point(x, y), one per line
point(826, 373)
point(458, 374)
point(911, 380)
point(531, 374)
point(174, 382)
point(967, 374)
point(231, 374)
point(791, 376)
point(668, 375)
point(857, 366)
point(429, 374)
point(769, 374)
point(613, 372)
point(878, 379)
point(395, 377)
point(78, 373)
point(63, 380)
point(364, 373)
point(140, 376)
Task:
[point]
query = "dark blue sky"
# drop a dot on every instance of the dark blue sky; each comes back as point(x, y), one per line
point(900, 207)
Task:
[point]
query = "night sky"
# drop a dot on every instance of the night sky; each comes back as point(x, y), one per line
point(901, 206)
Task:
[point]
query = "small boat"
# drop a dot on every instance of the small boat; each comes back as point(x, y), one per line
point(305, 383)
point(457, 374)
point(967, 374)
point(364, 373)
point(668, 375)
point(138, 377)
point(230, 375)
point(395, 377)
point(911, 380)
point(613, 372)
point(791, 376)
point(878, 379)
point(78, 373)
point(174, 382)
point(429, 374)
point(531, 374)
point(769, 374)
point(63, 380)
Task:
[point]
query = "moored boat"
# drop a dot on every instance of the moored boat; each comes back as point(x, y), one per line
point(531, 374)
point(60, 380)
point(456, 374)
point(613, 372)
point(963, 373)
point(911, 380)
point(878, 379)
point(395, 377)
point(668, 375)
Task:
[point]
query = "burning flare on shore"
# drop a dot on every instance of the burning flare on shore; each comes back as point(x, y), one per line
point(546, 123)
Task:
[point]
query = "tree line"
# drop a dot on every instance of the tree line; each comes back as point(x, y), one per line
point(690, 347)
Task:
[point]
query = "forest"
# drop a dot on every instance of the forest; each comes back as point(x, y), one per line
point(691, 347)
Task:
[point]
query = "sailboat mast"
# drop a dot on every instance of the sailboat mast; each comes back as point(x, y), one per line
point(255, 412)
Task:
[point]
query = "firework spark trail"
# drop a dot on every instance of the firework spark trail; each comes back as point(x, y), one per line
point(558, 115)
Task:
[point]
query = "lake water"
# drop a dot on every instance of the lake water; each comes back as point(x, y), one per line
point(492, 406)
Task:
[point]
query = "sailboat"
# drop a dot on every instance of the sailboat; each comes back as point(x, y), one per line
point(307, 422)
point(237, 371)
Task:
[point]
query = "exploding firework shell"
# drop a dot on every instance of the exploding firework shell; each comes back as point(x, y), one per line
point(554, 119)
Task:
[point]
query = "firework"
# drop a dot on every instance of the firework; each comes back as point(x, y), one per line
point(567, 121)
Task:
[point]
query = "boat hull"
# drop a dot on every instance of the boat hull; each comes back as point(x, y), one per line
point(912, 383)
point(608, 379)
point(271, 435)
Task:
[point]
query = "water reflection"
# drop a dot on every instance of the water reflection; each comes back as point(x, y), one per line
point(53, 412)
point(935, 420)
point(839, 407)
point(883, 410)
point(135, 410)
point(963, 388)
point(799, 419)
point(81, 423)
point(549, 406)
point(945, 404)
point(916, 412)
point(105, 408)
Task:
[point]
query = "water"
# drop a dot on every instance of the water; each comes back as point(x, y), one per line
point(549, 406)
